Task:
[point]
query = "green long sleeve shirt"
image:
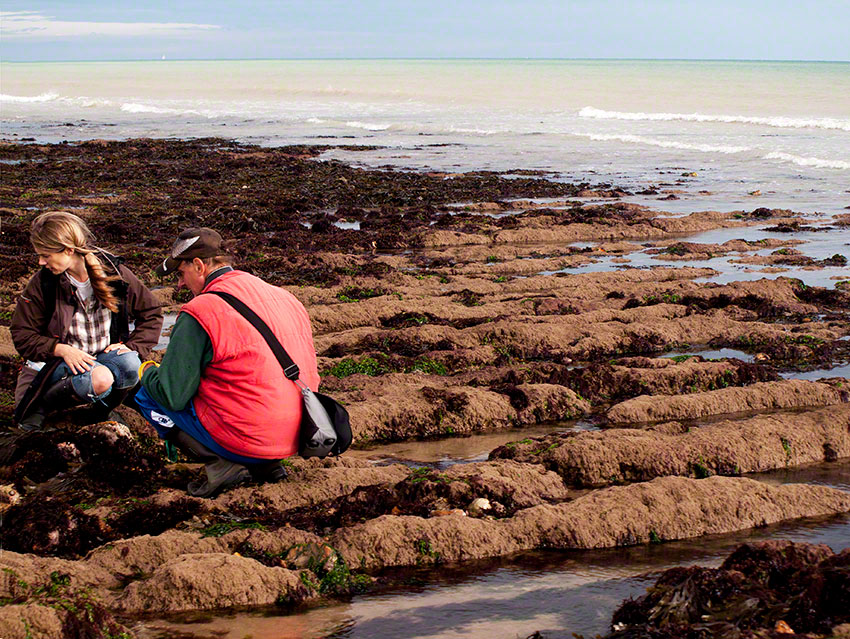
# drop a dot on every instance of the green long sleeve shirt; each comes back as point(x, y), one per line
point(176, 381)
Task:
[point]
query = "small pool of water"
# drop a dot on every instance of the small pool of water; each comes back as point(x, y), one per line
point(355, 225)
point(168, 320)
point(445, 452)
point(718, 353)
point(817, 245)
point(820, 373)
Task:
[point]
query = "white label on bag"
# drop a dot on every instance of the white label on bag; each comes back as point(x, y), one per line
point(163, 420)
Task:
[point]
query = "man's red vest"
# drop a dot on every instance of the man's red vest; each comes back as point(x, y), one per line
point(244, 400)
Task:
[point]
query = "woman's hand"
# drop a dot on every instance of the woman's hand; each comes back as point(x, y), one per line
point(78, 361)
point(117, 346)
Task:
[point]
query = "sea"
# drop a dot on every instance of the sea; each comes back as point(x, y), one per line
point(729, 134)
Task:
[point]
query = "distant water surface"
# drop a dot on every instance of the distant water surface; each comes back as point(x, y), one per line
point(782, 128)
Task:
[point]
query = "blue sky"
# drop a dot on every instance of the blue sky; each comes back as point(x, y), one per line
point(211, 29)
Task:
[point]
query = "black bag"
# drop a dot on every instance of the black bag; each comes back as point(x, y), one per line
point(325, 427)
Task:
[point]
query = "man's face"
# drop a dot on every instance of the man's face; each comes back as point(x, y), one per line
point(191, 275)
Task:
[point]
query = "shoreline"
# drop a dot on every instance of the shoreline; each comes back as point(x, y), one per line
point(434, 319)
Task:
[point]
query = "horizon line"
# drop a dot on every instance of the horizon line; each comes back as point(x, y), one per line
point(413, 59)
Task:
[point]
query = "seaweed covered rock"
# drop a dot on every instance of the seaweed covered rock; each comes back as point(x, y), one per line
point(113, 456)
point(762, 588)
point(51, 526)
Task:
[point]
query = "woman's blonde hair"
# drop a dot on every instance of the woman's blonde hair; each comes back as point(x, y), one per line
point(56, 231)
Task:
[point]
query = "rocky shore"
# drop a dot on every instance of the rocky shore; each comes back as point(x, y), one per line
point(443, 305)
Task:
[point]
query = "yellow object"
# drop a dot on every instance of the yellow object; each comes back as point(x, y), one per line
point(144, 365)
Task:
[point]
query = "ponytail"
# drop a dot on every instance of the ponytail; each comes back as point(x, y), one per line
point(100, 281)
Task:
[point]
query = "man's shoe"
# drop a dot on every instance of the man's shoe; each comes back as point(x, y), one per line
point(268, 472)
point(220, 474)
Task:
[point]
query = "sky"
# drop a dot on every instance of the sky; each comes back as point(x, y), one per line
point(48, 30)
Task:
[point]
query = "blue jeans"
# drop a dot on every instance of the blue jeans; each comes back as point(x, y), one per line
point(165, 421)
point(124, 369)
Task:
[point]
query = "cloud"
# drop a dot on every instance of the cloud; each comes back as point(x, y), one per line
point(32, 24)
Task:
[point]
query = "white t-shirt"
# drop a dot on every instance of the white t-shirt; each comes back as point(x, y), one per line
point(84, 289)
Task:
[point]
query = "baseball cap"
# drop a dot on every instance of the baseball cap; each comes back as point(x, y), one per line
point(191, 243)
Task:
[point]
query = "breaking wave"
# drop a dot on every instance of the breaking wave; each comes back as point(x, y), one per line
point(639, 139)
point(777, 121)
point(132, 107)
point(367, 125)
point(44, 97)
point(808, 161)
point(453, 129)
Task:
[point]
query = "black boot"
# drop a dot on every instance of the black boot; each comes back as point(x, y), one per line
point(58, 397)
point(269, 472)
point(33, 422)
point(102, 410)
point(221, 473)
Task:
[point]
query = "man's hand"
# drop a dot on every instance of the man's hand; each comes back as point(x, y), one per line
point(78, 361)
point(117, 346)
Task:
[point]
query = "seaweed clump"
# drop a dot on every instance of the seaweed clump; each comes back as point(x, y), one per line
point(761, 589)
point(51, 526)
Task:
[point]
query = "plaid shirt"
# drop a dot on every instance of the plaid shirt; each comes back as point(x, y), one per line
point(89, 330)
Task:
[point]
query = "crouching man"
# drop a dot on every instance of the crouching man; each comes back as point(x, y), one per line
point(220, 394)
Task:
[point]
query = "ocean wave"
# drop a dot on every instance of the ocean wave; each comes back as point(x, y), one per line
point(807, 161)
point(88, 103)
point(453, 129)
point(44, 97)
point(639, 139)
point(132, 107)
point(777, 121)
point(367, 125)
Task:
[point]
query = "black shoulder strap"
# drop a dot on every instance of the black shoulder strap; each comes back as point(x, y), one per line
point(290, 368)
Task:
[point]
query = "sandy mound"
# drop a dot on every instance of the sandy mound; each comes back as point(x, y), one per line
point(664, 509)
point(728, 447)
point(202, 581)
point(762, 396)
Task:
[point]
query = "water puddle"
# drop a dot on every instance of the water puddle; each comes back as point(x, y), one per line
point(820, 373)
point(817, 245)
point(719, 353)
point(354, 226)
point(557, 593)
point(168, 320)
point(835, 474)
point(442, 453)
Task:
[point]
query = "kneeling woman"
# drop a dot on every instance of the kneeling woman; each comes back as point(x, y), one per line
point(72, 325)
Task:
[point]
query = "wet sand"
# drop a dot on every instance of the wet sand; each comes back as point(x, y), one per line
point(501, 345)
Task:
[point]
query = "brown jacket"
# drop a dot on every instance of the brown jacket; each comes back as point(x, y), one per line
point(136, 304)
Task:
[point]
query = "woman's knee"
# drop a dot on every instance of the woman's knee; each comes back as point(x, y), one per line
point(124, 367)
point(101, 379)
